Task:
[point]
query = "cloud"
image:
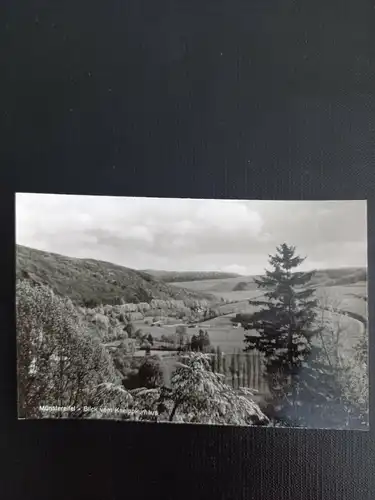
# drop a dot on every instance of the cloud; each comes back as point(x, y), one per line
point(190, 234)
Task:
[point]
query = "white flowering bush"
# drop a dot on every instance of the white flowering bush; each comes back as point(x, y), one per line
point(200, 395)
point(58, 364)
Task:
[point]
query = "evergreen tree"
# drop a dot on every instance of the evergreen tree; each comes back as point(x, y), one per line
point(129, 328)
point(224, 366)
point(286, 319)
point(239, 367)
point(214, 367)
point(243, 375)
point(194, 343)
point(151, 372)
point(232, 368)
point(219, 359)
point(248, 369)
point(206, 341)
point(200, 340)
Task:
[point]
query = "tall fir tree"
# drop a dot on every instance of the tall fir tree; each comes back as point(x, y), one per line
point(248, 369)
point(239, 367)
point(232, 368)
point(244, 374)
point(224, 366)
point(219, 360)
point(286, 319)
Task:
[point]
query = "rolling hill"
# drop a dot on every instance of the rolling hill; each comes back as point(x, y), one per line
point(176, 277)
point(324, 277)
point(244, 287)
point(340, 276)
point(91, 282)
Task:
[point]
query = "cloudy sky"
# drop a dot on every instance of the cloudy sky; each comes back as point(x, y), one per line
point(191, 235)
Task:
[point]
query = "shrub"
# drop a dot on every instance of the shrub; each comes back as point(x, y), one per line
point(181, 330)
point(198, 392)
point(101, 321)
point(139, 334)
point(146, 345)
point(151, 372)
point(58, 363)
point(130, 330)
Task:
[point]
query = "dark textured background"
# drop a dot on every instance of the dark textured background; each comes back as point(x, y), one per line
point(240, 99)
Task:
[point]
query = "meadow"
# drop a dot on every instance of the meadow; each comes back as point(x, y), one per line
point(346, 298)
point(217, 286)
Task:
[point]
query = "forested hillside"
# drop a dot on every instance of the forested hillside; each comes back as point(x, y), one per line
point(176, 277)
point(91, 282)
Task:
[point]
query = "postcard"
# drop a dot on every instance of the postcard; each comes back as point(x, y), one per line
point(194, 311)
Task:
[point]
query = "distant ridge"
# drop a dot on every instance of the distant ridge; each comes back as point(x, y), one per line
point(321, 277)
point(176, 276)
point(92, 282)
point(339, 276)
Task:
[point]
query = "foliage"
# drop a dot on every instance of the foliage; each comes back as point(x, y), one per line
point(108, 395)
point(331, 388)
point(91, 282)
point(194, 394)
point(285, 321)
point(146, 346)
point(301, 386)
point(129, 328)
point(200, 395)
point(58, 364)
point(139, 334)
point(151, 372)
point(201, 342)
point(169, 339)
point(181, 330)
point(242, 286)
point(351, 373)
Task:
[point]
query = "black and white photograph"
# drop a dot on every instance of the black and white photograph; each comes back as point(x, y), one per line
point(192, 311)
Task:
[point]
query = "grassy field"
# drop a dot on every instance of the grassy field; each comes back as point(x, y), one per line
point(216, 286)
point(231, 339)
point(222, 288)
point(237, 295)
point(345, 297)
point(223, 334)
point(345, 294)
point(156, 331)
